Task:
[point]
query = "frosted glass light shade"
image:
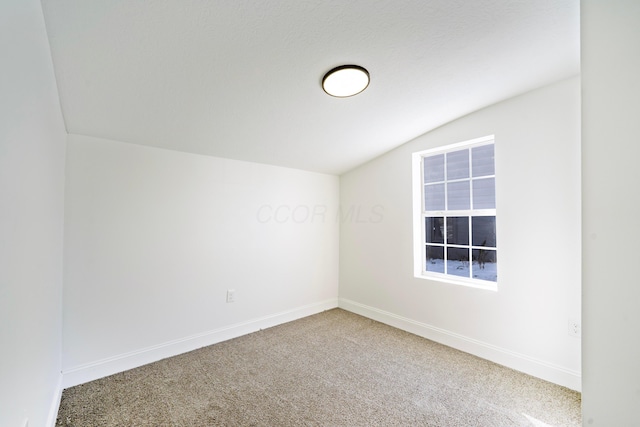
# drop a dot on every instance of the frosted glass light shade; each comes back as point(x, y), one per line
point(346, 80)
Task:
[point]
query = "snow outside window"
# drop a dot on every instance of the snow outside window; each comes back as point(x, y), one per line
point(455, 214)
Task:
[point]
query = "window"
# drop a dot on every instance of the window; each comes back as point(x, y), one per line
point(455, 214)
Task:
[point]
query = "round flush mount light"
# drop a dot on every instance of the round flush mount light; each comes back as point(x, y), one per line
point(345, 81)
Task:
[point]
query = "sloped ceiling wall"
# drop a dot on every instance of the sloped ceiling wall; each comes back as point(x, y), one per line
point(242, 79)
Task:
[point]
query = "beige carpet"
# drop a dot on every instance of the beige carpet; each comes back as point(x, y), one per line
point(331, 369)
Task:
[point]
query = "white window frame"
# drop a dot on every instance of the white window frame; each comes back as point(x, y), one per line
point(419, 215)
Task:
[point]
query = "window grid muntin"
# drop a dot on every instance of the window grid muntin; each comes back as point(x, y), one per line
point(470, 247)
point(470, 180)
point(446, 214)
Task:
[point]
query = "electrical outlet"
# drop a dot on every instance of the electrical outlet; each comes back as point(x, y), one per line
point(231, 295)
point(575, 330)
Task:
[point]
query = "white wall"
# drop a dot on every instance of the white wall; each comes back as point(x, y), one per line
point(154, 238)
point(525, 324)
point(611, 208)
point(32, 149)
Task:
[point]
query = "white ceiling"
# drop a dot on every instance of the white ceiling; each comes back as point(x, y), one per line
point(241, 78)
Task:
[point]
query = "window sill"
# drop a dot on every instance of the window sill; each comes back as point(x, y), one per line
point(470, 283)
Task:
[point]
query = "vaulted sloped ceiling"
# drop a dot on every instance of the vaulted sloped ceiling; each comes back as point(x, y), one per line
point(241, 78)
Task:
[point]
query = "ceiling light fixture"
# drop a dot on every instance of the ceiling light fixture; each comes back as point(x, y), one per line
point(345, 81)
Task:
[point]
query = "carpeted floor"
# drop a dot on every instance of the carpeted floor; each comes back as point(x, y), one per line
point(331, 369)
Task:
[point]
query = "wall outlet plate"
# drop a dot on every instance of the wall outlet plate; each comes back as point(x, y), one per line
point(231, 295)
point(575, 328)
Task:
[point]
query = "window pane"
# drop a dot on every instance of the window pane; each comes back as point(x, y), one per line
point(435, 259)
point(482, 160)
point(484, 193)
point(434, 168)
point(434, 197)
point(483, 230)
point(458, 230)
point(485, 264)
point(434, 229)
point(458, 195)
point(458, 262)
point(458, 165)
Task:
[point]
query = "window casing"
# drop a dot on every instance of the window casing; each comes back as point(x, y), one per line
point(455, 214)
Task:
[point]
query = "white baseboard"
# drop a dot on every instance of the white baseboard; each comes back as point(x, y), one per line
point(119, 363)
point(55, 403)
point(511, 359)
